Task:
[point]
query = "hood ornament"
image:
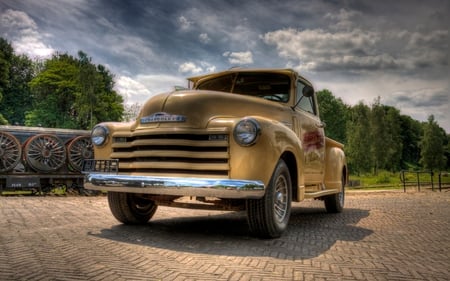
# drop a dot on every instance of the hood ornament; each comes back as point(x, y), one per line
point(162, 117)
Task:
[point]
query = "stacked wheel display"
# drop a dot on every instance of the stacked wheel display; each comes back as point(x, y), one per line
point(79, 149)
point(10, 152)
point(44, 153)
point(32, 158)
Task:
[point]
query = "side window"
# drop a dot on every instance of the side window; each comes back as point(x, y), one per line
point(305, 101)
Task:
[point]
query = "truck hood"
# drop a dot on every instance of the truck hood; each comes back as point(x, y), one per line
point(195, 109)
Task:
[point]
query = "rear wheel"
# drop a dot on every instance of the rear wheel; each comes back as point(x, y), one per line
point(130, 208)
point(268, 217)
point(335, 203)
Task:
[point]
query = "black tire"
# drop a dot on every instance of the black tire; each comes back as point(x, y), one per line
point(130, 208)
point(335, 203)
point(268, 217)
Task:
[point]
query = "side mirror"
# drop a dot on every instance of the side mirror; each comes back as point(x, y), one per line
point(179, 88)
point(308, 91)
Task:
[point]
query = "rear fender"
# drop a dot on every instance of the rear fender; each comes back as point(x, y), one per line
point(335, 165)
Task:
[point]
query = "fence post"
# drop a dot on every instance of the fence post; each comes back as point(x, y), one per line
point(402, 179)
point(418, 180)
point(431, 175)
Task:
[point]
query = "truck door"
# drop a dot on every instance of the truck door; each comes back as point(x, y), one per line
point(310, 131)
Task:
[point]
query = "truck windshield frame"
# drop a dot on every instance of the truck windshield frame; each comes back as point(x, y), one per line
point(270, 86)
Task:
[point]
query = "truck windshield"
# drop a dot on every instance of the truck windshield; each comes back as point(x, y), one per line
point(270, 86)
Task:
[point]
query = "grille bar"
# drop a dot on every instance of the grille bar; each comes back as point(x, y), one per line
point(173, 165)
point(150, 142)
point(170, 153)
point(201, 153)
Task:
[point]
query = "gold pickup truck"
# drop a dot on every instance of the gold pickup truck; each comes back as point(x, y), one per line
point(241, 139)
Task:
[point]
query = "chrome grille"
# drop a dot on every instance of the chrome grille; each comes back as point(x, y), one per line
point(169, 154)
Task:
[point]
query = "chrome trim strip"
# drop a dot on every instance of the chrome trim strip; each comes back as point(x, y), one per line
point(208, 187)
point(162, 117)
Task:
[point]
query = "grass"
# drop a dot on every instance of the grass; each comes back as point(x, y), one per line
point(389, 180)
point(55, 190)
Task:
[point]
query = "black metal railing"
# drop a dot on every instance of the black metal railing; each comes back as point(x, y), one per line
point(423, 178)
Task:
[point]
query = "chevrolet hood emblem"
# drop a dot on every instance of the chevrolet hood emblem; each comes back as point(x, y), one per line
point(162, 117)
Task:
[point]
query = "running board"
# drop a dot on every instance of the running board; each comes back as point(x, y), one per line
point(321, 193)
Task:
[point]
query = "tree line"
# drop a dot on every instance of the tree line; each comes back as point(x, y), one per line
point(377, 137)
point(60, 92)
point(72, 92)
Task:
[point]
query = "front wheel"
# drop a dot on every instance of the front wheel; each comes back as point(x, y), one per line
point(268, 217)
point(130, 208)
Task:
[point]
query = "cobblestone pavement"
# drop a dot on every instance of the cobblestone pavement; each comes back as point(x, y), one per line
point(380, 236)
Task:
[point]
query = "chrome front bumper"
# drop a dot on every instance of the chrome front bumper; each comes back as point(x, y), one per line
point(207, 187)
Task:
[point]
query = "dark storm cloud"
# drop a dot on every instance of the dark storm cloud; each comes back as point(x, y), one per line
point(421, 99)
point(358, 49)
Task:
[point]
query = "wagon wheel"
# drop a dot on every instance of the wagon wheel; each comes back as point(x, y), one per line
point(79, 149)
point(10, 152)
point(45, 153)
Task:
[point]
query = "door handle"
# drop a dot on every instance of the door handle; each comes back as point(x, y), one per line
point(320, 125)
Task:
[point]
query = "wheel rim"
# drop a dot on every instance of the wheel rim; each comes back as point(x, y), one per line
point(141, 206)
point(10, 152)
point(45, 153)
point(79, 149)
point(341, 195)
point(281, 199)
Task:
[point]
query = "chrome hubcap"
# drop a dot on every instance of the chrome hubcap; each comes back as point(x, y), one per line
point(280, 204)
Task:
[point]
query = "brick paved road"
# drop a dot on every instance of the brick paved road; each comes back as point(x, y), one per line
point(380, 236)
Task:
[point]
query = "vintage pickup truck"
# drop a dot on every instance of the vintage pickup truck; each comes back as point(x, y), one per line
point(241, 139)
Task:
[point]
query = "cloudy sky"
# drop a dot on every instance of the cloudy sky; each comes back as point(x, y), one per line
point(358, 49)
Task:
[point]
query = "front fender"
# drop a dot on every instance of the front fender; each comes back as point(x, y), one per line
point(257, 162)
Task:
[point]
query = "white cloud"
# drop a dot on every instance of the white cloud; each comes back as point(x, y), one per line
point(319, 49)
point(17, 20)
point(344, 20)
point(239, 58)
point(140, 88)
point(131, 90)
point(132, 48)
point(24, 33)
point(192, 68)
point(209, 67)
point(359, 50)
point(230, 30)
point(204, 38)
point(184, 23)
point(417, 98)
point(189, 67)
point(422, 101)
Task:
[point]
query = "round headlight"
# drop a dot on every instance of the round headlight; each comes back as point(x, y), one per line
point(99, 135)
point(246, 131)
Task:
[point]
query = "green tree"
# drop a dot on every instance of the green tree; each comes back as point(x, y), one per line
point(6, 53)
point(358, 139)
point(378, 135)
point(333, 112)
point(111, 103)
point(411, 133)
point(17, 98)
point(432, 146)
point(447, 152)
point(73, 93)
point(393, 141)
point(54, 91)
